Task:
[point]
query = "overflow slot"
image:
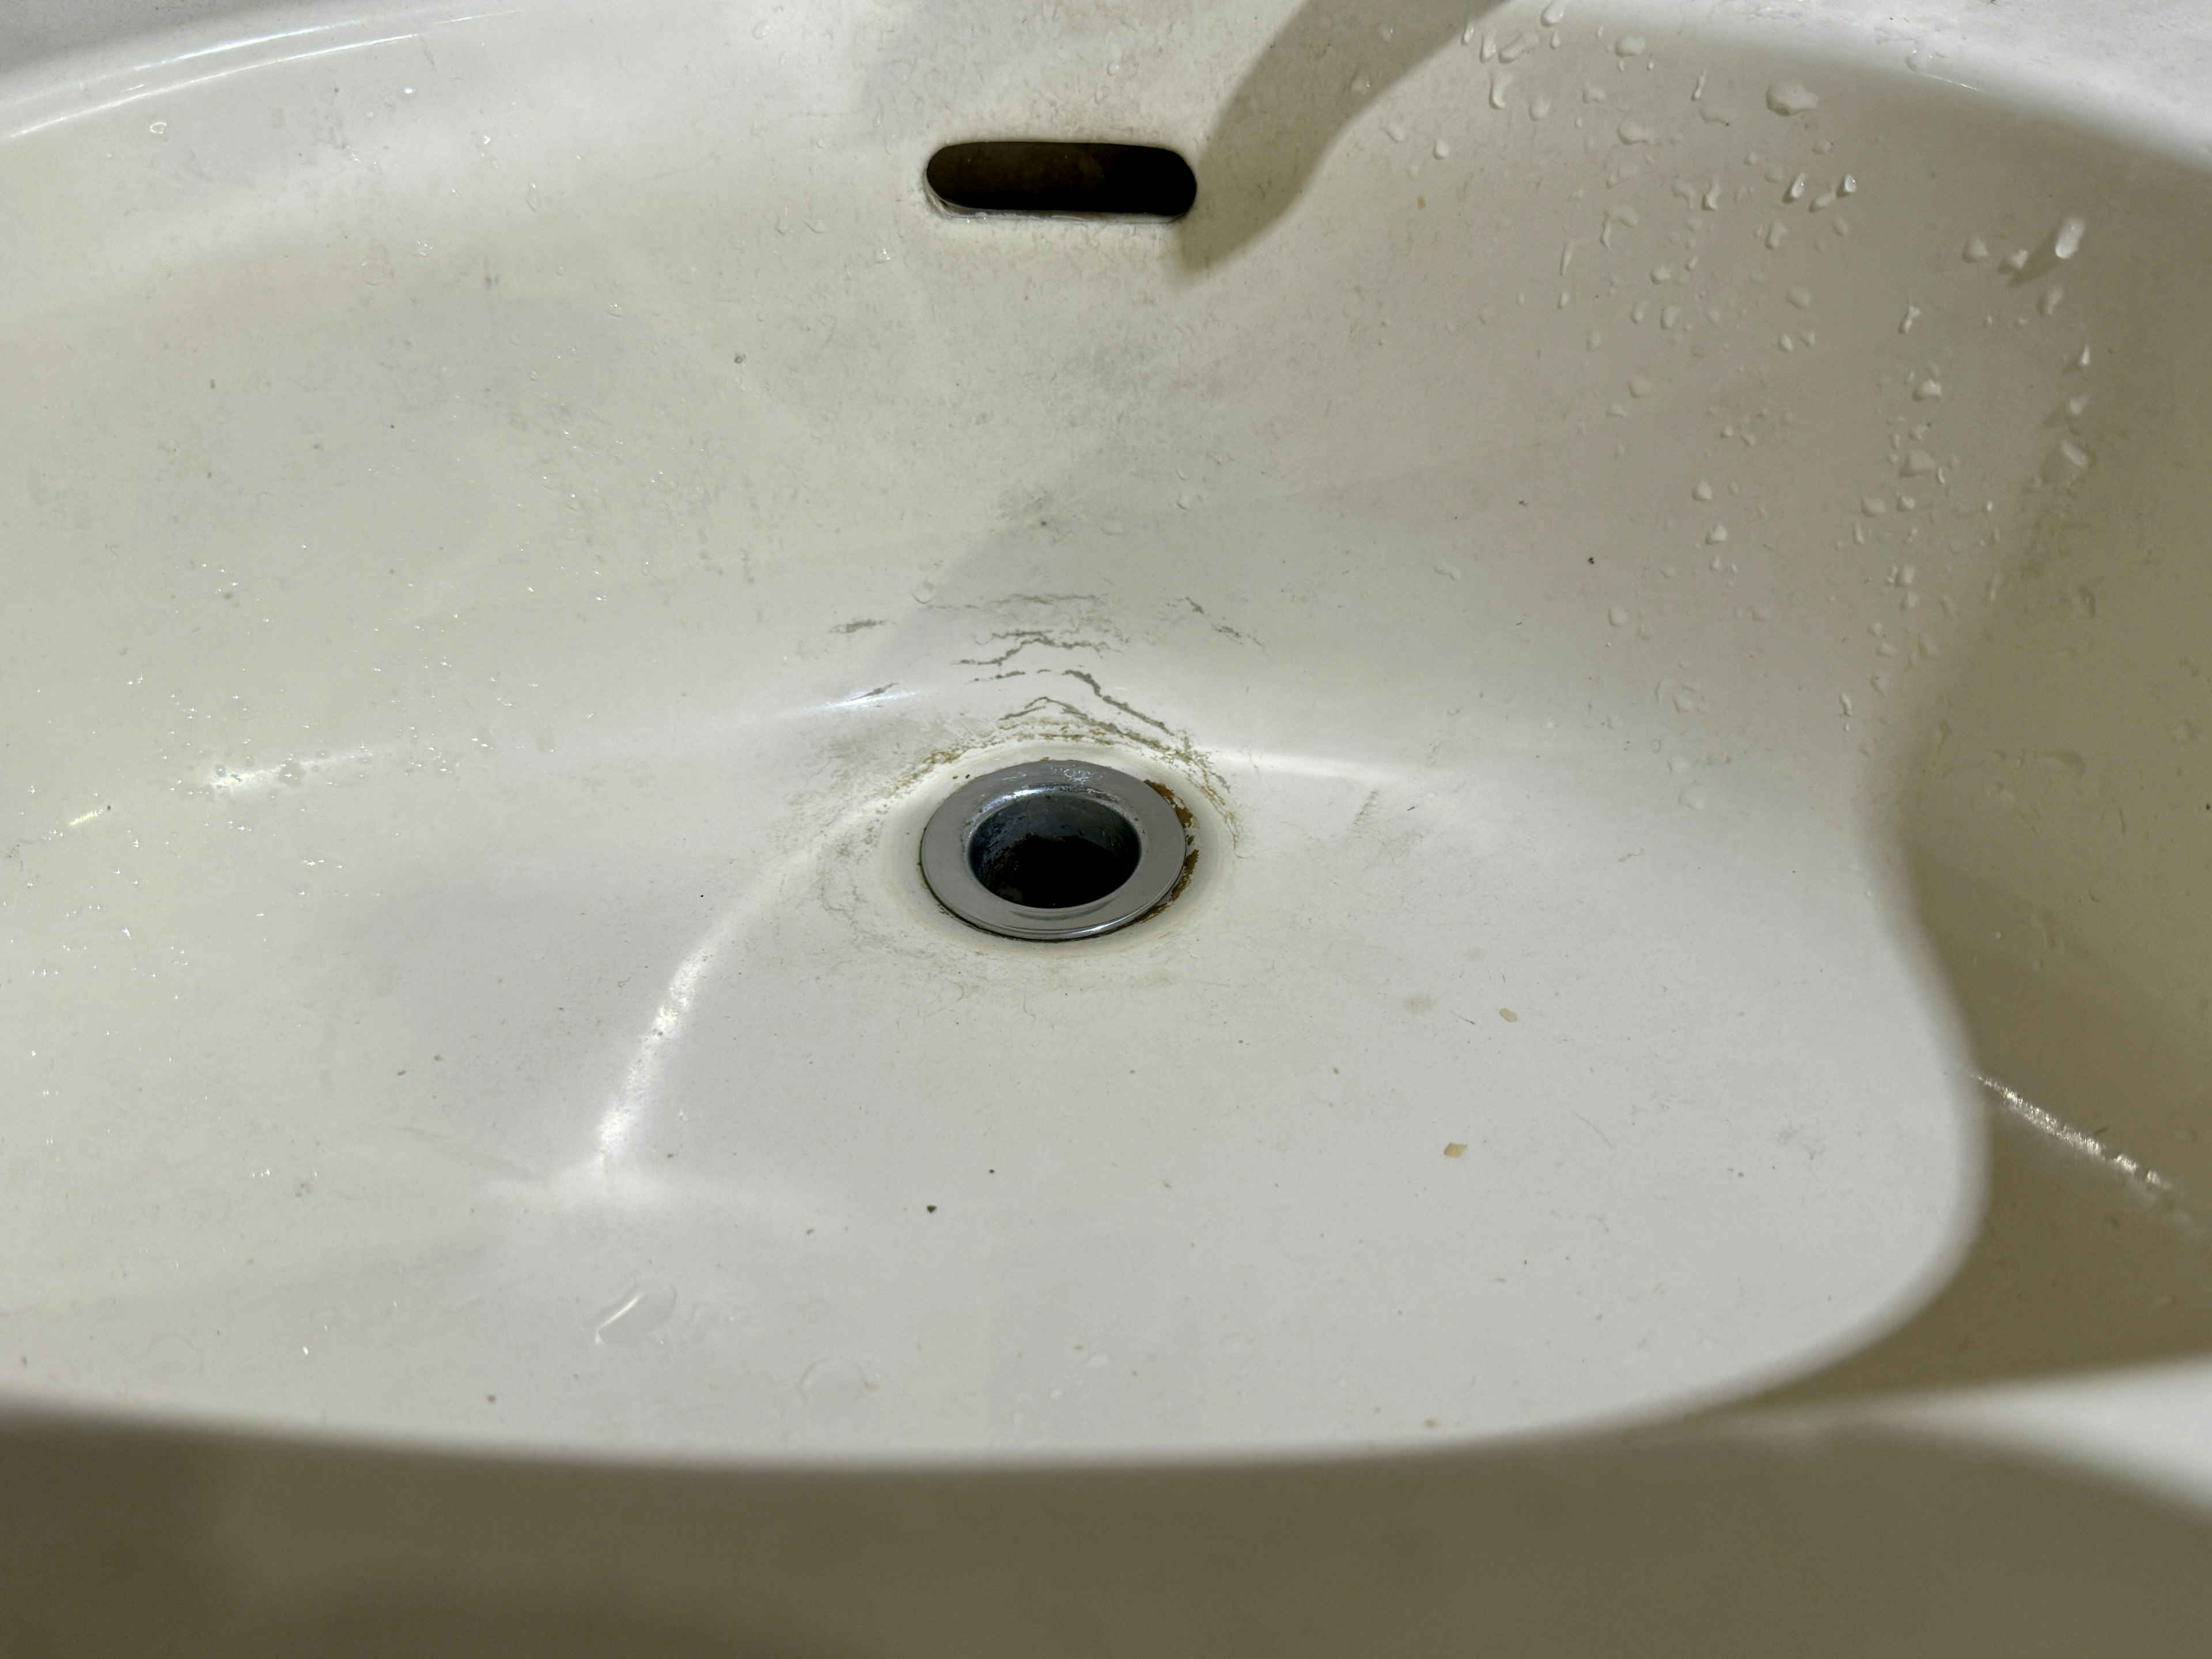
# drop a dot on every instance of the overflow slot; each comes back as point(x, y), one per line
point(1051, 177)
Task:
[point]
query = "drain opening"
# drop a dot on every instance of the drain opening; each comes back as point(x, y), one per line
point(1054, 850)
point(1026, 175)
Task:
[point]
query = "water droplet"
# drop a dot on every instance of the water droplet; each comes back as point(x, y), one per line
point(1797, 188)
point(1500, 85)
point(833, 1384)
point(1800, 297)
point(1775, 234)
point(1911, 316)
point(1790, 97)
point(1552, 13)
point(1975, 251)
point(1702, 490)
point(2067, 243)
point(1714, 537)
point(1635, 132)
point(644, 1311)
point(1918, 464)
point(1663, 274)
point(2074, 451)
point(1928, 390)
point(1640, 387)
point(2052, 298)
point(1629, 45)
point(1442, 150)
point(1514, 49)
point(2015, 261)
point(1849, 186)
point(1397, 131)
point(1539, 107)
point(1874, 506)
point(1619, 616)
point(158, 128)
point(2076, 404)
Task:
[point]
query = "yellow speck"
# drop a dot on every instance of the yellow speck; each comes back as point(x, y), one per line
point(1453, 1149)
point(1508, 1015)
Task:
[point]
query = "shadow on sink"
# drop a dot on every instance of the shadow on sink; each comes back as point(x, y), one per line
point(1330, 61)
point(2056, 817)
point(2088, 1257)
point(1728, 1539)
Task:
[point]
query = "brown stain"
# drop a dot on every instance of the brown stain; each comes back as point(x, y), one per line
point(1045, 719)
point(1189, 820)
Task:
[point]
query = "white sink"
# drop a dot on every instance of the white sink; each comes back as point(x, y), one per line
point(1659, 548)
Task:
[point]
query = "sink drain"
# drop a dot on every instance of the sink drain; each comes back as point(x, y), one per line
point(1054, 849)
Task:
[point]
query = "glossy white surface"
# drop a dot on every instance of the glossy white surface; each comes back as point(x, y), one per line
point(520, 516)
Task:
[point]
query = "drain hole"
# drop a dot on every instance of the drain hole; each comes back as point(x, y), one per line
point(1037, 176)
point(1054, 851)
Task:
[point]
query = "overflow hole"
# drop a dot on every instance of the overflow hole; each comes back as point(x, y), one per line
point(1028, 175)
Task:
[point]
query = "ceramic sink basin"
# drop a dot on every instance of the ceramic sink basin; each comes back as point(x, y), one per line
point(1658, 551)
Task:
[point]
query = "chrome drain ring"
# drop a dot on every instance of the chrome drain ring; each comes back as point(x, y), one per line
point(1053, 850)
